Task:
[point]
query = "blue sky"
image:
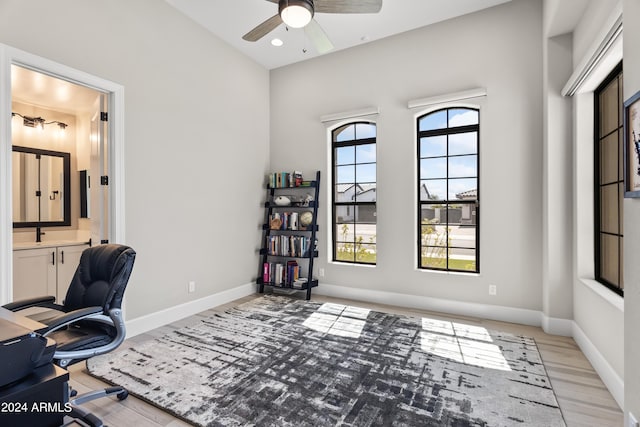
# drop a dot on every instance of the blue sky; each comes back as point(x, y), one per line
point(357, 163)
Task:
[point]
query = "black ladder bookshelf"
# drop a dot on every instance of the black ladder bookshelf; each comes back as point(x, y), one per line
point(289, 244)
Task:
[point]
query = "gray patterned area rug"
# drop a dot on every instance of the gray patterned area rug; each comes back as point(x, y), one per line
point(276, 361)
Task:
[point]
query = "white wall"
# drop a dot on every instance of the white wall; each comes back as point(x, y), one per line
point(631, 226)
point(595, 15)
point(598, 312)
point(499, 49)
point(557, 250)
point(196, 136)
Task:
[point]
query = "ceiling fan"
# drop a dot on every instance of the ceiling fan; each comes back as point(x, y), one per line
point(299, 14)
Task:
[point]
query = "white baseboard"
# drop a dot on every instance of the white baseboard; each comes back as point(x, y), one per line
point(557, 326)
point(484, 311)
point(550, 325)
point(151, 321)
point(609, 377)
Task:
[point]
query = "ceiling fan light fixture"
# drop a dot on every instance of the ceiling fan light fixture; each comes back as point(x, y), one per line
point(296, 13)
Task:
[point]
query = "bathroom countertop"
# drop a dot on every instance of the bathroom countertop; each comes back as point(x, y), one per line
point(17, 246)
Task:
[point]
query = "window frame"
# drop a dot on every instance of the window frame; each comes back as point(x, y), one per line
point(615, 74)
point(335, 204)
point(446, 131)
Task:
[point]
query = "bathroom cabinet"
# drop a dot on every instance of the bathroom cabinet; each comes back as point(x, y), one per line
point(45, 271)
point(289, 244)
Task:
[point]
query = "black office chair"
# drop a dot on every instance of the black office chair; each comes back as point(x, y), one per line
point(89, 322)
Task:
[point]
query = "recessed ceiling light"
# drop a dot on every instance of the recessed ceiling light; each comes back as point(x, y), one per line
point(277, 42)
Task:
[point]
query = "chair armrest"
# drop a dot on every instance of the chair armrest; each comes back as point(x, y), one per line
point(46, 302)
point(114, 319)
point(65, 319)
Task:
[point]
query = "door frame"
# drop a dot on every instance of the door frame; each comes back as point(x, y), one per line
point(8, 56)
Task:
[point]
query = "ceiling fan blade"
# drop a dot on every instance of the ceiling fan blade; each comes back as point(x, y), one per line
point(318, 37)
point(263, 29)
point(347, 6)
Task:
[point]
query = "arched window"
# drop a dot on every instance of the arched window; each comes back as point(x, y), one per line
point(354, 193)
point(448, 191)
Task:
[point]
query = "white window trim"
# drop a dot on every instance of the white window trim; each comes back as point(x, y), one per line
point(349, 115)
point(600, 57)
point(447, 98)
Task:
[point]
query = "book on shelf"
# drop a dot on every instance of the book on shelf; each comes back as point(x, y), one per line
point(294, 246)
point(285, 179)
point(292, 273)
point(266, 273)
point(300, 283)
point(280, 274)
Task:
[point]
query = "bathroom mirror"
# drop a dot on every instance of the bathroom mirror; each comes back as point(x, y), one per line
point(41, 185)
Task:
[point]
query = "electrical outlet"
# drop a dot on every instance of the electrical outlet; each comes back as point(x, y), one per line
point(493, 289)
point(192, 287)
point(632, 421)
point(321, 272)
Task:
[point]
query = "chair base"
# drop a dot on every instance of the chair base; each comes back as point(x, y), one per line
point(87, 418)
point(79, 413)
point(120, 392)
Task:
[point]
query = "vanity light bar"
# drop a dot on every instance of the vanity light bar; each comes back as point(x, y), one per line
point(38, 122)
point(33, 122)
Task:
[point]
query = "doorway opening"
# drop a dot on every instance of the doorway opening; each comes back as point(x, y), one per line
point(71, 125)
point(73, 122)
point(60, 197)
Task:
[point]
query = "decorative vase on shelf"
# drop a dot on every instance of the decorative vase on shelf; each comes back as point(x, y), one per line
point(306, 218)
point(282, 201)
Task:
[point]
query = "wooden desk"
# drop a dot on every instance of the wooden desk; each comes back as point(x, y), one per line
point(40, 398)
point(21, 320)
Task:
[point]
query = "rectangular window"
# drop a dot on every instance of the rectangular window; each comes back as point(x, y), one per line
point(609, 182)
point(448, 201)
point(354, 193)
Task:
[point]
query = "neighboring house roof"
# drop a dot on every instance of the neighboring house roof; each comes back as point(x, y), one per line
point(359, 189)
point(364, 188)
point(426, 190)
point(368, 190)
point(343, 188)
point(469, 194)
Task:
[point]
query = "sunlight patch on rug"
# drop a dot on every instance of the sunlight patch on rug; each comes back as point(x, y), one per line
point(338, 319)
point(275, 361)
point(468, 344)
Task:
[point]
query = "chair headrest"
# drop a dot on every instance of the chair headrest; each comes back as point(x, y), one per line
point(103, 262)
point(101, 277)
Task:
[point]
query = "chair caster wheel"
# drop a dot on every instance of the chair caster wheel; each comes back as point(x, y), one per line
point(73, 393)
point(122, 395)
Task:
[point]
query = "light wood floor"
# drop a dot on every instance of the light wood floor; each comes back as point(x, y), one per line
point(583, 398)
